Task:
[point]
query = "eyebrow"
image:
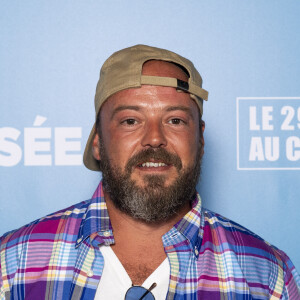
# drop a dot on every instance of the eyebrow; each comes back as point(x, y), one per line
point(137, 108)
point(124, 107)
point(181, 107)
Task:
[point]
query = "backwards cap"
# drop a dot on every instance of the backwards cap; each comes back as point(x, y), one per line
point(123, 70)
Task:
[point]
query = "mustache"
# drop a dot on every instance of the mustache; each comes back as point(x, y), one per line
point(159, 154)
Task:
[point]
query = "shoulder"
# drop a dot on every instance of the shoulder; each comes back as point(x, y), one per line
point(238, 238)
point(62, 222)
point(247, 253)
point(32, 247)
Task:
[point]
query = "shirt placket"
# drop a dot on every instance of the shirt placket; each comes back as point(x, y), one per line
point(89, 266)
point(180, 254)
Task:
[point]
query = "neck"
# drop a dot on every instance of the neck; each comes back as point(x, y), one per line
point(138, 245)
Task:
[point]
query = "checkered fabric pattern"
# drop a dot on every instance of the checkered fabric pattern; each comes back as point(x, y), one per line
point(58, 257)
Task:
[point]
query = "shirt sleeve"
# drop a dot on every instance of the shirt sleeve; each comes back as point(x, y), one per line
point(1, 279)
point(291, 281)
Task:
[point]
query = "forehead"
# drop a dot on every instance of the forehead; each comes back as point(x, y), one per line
point(149, 99)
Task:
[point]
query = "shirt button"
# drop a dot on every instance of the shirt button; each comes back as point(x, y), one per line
point(80, 239)
point(90, 273)
point(196, 251)
point(106, 233)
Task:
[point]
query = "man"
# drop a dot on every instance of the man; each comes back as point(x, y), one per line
point(144, 234)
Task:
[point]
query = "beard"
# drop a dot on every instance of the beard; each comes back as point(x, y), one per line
point(154, 202)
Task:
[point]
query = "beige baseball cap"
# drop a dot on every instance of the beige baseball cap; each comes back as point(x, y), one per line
point(123, 70)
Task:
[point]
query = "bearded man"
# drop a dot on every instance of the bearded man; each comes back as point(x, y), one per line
point(144, 235)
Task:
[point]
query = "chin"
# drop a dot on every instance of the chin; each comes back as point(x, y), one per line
point(154, 181)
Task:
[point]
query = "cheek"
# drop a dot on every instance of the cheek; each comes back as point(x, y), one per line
point(119, 148)
point(186, 145)
point(191, 151)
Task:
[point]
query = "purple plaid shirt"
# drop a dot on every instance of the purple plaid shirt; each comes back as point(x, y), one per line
point(211, 257)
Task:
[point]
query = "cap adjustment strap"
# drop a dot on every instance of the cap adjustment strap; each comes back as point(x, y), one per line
point(176, 83)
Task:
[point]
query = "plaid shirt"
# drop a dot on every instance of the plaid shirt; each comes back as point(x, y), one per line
point(58, 257)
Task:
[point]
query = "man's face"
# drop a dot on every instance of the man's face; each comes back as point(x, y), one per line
point(151, 143)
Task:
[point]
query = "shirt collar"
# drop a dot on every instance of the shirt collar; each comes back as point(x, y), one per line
point(96, 224)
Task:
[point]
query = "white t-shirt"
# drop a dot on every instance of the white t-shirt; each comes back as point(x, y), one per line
point(115, 281)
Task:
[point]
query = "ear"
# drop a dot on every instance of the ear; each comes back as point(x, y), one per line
point(96, 145)
point(202, 142)
point(202, 128)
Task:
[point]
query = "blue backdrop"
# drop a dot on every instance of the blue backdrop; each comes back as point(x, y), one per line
point(248, 55)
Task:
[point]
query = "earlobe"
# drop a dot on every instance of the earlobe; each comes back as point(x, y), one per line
point(96, 146)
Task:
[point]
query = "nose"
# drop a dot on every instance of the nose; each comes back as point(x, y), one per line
point(154, 135)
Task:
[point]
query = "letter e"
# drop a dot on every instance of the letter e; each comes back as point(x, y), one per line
point(63, 145)
point(32, 146)
point(267, 117)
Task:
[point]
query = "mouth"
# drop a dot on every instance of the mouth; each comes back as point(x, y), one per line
point(154, 161)
point(150, 164)
point(153, 166)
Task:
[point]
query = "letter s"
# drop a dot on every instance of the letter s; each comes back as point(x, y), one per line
point(10, 152)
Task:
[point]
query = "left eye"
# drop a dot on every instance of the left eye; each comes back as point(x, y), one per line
point(176, 121)
point(129, 122)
